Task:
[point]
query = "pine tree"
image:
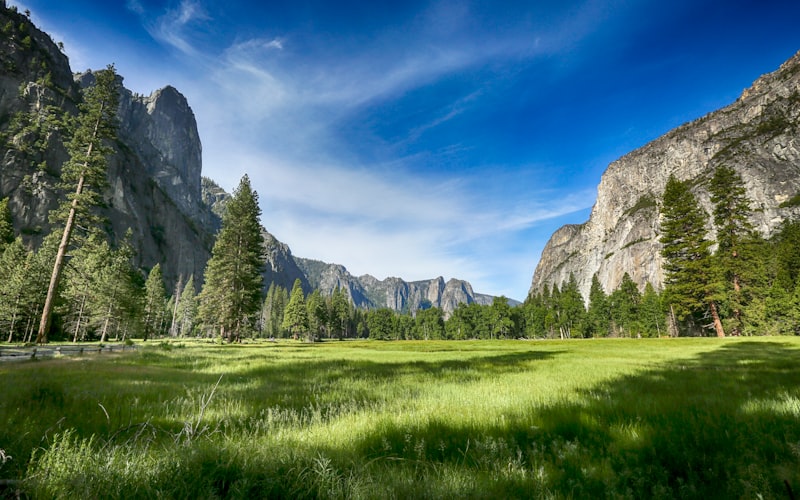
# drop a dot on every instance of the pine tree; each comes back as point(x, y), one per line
point(624, 307)
point(86, 170)
point(154, 302)
point(691, 280)
point(598, 315)
point(13, 284)
point(295, 316)
point(570, 310)
point(735, 238)
point(82, 285)
point(340, 313)
point(317, 313)
point(231, 296)
point(186, 312)
point(6, 224)
point(651, 314)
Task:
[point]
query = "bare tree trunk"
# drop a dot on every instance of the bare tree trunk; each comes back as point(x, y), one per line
point(715, 316)
point(80, 318)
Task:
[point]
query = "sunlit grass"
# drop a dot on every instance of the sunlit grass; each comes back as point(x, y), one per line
point(622, 418)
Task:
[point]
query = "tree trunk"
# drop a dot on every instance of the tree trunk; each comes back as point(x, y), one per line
point(58, 266)
point(715, 316)
point(80, 317)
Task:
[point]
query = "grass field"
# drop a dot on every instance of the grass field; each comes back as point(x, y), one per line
point(677, 418)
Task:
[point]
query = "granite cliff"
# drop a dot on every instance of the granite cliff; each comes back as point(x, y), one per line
point(758, 136)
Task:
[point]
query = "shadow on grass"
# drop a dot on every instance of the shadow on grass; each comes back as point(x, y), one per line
point(723, 425)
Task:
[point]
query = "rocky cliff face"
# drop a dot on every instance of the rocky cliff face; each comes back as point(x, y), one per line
point(154, 183)
point(392, 293)
point(758, 136)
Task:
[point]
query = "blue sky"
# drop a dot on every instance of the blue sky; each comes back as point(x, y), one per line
point(428, 138)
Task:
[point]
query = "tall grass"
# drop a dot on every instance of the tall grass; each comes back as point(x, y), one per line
point(612, 418)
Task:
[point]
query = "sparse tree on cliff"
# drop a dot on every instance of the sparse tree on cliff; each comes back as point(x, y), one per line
point(85, 170)
point(231, 296)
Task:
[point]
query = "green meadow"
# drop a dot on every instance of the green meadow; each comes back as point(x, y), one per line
point(619, 418)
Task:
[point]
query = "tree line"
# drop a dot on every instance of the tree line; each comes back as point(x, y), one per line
point(736, 283)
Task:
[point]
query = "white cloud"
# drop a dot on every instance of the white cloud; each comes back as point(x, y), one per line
point(174, 27)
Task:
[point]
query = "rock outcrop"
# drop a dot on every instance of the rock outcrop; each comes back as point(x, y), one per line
point(758, 136)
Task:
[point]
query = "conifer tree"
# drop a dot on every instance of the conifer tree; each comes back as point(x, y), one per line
point(83, 285)
point(295, 316)
point(570, 311)
point(598, 315)
point(691, 283)
point(6, 224)
point(317, 313)
point(340, 313)
point(231, 296)
point(624, 305)
point(651, 312)
point(85, 170)
point(186, 312)
point(735, 238)
point(154, 301)
point(13, 285)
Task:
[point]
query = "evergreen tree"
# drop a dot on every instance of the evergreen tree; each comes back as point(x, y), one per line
point(231, 295)
point(651, 313)
point(499, 315)
point(570, 310)
point(13, 284)
point(428, 324)
point(154, 302)
point(735, 238)
point(273, 310)
point(691, 283)
point(381, 324)
point(187, 309)
point(340, 313)
point(598, 315)
point(82, 286)
point(118, 308)
point(624, 307)
point(86, 171)
point(295, 316)
point(6, 224)
point(317, 314)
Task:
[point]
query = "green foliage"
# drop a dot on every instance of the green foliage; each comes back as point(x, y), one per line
point(6, 224)
point(381, 324)
point(155, 303)
point(295, 316)
point(231, 296)
point(645, 202)
point(692, 284)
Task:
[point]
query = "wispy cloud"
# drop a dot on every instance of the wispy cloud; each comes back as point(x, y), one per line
point(174, 28)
